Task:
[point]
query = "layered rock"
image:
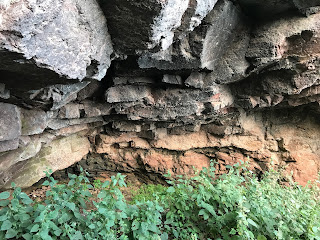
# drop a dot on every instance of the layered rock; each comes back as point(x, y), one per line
point(190, 82)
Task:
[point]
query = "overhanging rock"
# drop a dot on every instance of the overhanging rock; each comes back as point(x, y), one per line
point(68, 37)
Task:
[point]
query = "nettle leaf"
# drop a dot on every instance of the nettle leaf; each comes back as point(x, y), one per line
point(102, 210)
point(171, 190)
point(53, 214)
point(44, 235)
point(27, 201)
point(86, 193)
point(135, 225)
point(92, 226)
point(105, 184)
point(4, 203)
point(102, 194)
point(204, 214)
point(23, 217)
point(57, 232)
point(164, 236)
point(71, 182)
point(14, 203)
point(261, 237)
point(250, 221)
point(72, 176)
point(27, 236)
point(233, 231)
point(4, 195)
point(46, 183)
point(35, 228)
point(71, 206)
point(11, 233)
point(25, 198)
point(77, 236)
point(6, 225)
point(3, 217)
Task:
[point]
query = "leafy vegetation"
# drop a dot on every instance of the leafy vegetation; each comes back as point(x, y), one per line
point(235, 205)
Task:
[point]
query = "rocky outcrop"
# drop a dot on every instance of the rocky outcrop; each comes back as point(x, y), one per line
point(182, 82)
point(69, 38)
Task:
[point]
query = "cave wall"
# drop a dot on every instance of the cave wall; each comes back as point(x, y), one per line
point(148, 87)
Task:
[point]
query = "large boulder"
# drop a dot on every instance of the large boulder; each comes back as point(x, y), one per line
point(69, 38)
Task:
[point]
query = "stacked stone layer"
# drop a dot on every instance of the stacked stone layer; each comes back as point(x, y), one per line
point(157, 86)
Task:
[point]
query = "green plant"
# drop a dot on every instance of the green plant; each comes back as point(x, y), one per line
point(147, 192)
point(235, 205)
point(97, 184)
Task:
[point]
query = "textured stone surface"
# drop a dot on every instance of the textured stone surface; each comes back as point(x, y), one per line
point(68, 37)
point(10, 158)
point(283, 142)
point(8, 145)
point(58, 155)
point(10, 122)
point(33, 121)
point(205, 47)
point(190, 81)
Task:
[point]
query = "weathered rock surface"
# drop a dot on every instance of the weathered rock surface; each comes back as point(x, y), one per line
point(59, 154)
point(190, 81)
point(68, 37)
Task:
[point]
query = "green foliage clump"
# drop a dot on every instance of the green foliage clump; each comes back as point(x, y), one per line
point(235, 205)
point(148, 192)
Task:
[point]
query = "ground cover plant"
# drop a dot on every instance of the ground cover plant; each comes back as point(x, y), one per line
point(236, 205)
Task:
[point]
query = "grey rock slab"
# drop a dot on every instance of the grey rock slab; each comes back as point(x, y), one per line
point(126, 126)
point(9, 145)
point(127, 93)
point(68, 37)
point(129, 23)
point(10, 158)
point(56, 124)
point(94, 109)
point(71, 110)
point(57, 95)
point(224, 21)
point(10, 122)
point(207, 45)
point(271, 41)
point(57, 155)
point(143, 25)
point(33, 121)
point(132, 80)
point(172, 79)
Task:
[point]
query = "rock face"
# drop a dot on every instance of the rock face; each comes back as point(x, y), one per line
point(182, 82)
point(68, 37)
